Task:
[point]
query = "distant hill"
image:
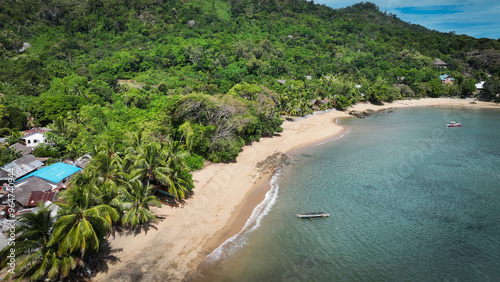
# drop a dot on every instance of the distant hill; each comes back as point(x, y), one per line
point(82, 49)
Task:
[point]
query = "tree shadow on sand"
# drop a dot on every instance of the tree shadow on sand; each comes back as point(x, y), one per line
point(171, 201)
point(94, 264)
point(136, 230)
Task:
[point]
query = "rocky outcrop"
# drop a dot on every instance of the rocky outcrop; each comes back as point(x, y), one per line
point(273, 162)
point(26, 45)
point(361, 114)
point(367, 112)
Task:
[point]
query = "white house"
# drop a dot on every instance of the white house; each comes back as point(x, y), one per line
point(480, 85)
point(35, 136)
point(33, 139)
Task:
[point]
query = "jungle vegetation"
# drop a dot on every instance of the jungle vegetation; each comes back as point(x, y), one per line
point(206, 73)
point(150, 89)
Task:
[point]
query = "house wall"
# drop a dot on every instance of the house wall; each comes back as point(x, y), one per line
point(34, 140)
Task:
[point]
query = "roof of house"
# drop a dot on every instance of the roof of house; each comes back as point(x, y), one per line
point(27, 160)
point(31, 134)
point(36, 130)
point(21, 148)
point(23, 190)
point(282, 81)
point(439, 62)
point(54, 173)
point(445, 76)
point(308, 77)
point(480, 85)
point(83, 160)
point(22, 166)
point(40, 196)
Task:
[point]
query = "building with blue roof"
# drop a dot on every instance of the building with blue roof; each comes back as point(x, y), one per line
point(55, 173)
point(446, 79)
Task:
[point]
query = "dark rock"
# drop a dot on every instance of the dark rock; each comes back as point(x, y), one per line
point(357, 114)
point(368, 112)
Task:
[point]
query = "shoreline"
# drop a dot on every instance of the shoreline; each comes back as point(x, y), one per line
point(223, 200)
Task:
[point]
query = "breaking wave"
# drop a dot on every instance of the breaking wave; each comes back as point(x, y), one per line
point(234, 243)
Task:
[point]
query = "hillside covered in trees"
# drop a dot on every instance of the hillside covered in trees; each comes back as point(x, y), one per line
point(206, 72)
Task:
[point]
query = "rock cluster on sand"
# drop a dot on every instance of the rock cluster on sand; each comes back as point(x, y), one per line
point(272, 162)
point(361, 114)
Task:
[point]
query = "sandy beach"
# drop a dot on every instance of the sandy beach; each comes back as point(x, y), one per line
point(223, 199)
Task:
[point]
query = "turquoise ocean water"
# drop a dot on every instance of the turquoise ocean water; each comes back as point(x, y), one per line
point(410, 200)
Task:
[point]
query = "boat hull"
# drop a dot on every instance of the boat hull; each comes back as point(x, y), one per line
point(454, 124)
point(312, 215)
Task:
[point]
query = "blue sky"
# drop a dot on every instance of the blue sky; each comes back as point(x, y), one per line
point(477, 18)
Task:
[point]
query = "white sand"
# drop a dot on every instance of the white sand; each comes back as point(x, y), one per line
point(180, 243)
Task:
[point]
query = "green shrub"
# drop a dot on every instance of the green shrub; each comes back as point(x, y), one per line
point(4, 132)
point(194, 162)
point(45, 150)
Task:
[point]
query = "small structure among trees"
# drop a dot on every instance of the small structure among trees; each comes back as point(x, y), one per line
point(34, 137)
point(446, 79)
point(439, 63)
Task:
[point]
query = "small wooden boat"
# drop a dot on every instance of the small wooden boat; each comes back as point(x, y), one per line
point(313, 215)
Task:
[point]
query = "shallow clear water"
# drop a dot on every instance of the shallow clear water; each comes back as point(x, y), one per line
point(410, 200)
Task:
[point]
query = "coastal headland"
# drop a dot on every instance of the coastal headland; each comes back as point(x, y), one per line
point(224, 196)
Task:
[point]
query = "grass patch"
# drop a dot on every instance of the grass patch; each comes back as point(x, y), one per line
point(221, 9)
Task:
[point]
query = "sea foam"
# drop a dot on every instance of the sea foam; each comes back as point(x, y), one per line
point(234, 243)
point(336, 138)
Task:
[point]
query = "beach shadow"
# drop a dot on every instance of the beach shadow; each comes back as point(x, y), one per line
point(167, 200)
point(232, 161)
point(188, 196)
point(94, 264)
point(116, 230)
point(138, 229)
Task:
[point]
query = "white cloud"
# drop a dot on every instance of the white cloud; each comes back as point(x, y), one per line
point(479, 18)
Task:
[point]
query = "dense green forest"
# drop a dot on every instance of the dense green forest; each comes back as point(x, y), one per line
point(205, 72)
point(152, 88)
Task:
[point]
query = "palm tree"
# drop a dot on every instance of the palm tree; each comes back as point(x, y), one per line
point(135, 141)
point(109, 146)
point(178, 180)
point(283, 103)
point(178, 177)
point(36, 255)
point(83, 220)
point(295, 107)
point(103, 167)
point(75, 150)
point(174, 150)
point(60, 126)
point(106, 192)
point(150, 164)
point(135, 200)
point(80, 179)
point(163, 165)
point(76, 117)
